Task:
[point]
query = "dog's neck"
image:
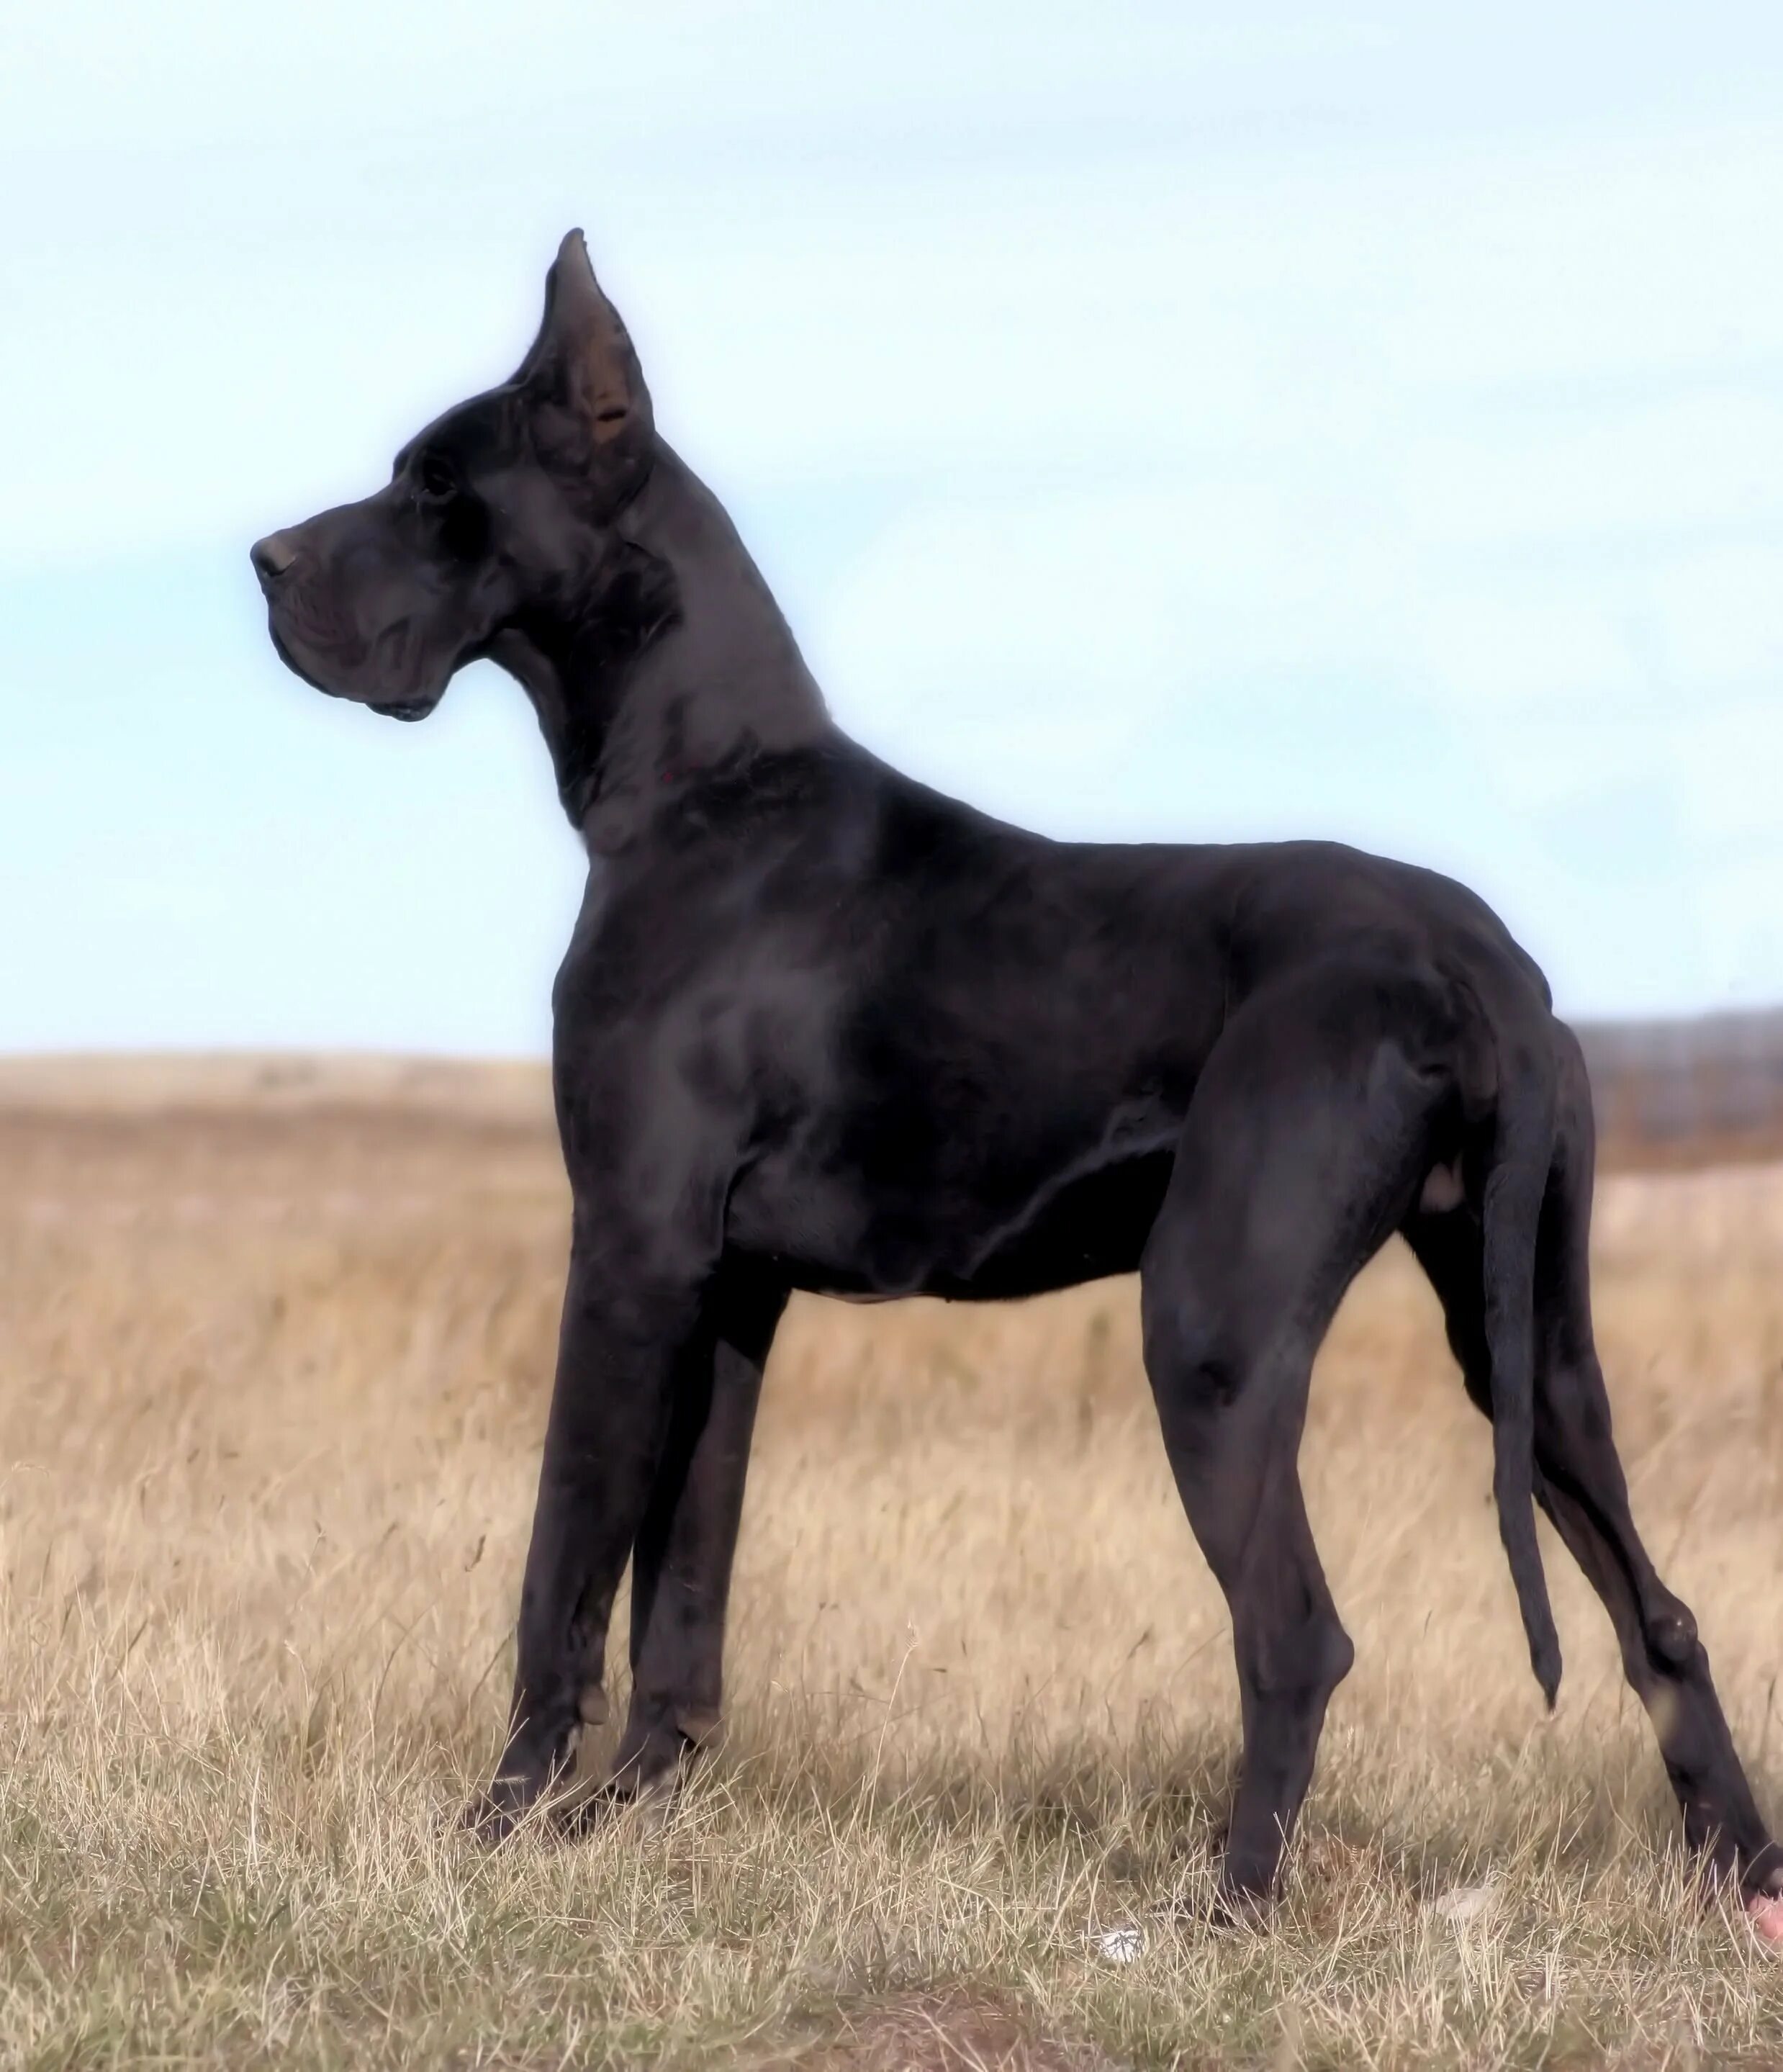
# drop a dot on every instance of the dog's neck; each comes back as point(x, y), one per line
point(676, 662)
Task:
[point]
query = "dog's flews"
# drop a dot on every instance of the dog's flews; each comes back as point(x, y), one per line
point(820, 1027)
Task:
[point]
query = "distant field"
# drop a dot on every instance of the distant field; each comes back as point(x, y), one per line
point(273, 1358)
point(1669, 1094)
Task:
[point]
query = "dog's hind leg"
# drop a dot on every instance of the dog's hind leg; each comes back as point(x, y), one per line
point(1304, 1142)
point(1580, 1485)
point(681, 1560)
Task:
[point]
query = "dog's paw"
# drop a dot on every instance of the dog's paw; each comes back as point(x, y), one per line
point(494, 1816)
point(1764, 1896)
point(488, 1820)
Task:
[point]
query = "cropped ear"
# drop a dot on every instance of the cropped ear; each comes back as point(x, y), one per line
point(585, 374)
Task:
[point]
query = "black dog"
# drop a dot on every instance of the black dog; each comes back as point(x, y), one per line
point(820, 1027)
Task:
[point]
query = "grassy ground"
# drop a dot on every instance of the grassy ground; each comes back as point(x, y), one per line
point(271, 1389)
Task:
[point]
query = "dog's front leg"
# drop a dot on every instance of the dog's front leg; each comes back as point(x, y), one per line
point(680, 1566)
point(627, 1316)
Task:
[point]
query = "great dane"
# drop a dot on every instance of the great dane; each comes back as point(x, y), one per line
point(820, 1028)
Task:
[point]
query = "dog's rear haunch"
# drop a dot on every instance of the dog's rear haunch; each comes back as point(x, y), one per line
point(820, 1028)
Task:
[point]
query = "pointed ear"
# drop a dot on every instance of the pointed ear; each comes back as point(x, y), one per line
point(582, 360)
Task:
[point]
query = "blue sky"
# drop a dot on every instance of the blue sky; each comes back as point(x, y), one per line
point(1157, 420)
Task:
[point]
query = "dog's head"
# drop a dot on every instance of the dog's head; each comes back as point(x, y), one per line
point(497, 508)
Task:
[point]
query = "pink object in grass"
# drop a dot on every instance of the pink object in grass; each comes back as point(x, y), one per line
point(1765, 1911)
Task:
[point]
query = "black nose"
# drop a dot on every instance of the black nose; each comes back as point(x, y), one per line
point(271, 556)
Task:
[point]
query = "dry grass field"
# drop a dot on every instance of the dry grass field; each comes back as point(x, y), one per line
point(272, 1371)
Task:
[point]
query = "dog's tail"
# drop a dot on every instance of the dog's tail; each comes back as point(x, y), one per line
point(1516, 1180)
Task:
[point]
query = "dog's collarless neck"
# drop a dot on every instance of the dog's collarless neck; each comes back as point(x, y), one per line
point(696, 673)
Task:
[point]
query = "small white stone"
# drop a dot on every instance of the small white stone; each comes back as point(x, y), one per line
point(1120, 1945)
point(1466, 1902)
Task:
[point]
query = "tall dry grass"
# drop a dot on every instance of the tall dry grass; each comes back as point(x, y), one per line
point(271, 1390)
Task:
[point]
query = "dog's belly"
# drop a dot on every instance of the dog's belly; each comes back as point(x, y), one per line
point(1085, 1225)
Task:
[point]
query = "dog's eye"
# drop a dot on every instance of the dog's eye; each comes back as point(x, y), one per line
point(434, 478)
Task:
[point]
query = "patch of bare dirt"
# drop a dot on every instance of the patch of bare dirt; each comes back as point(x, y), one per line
point(944, 2032)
